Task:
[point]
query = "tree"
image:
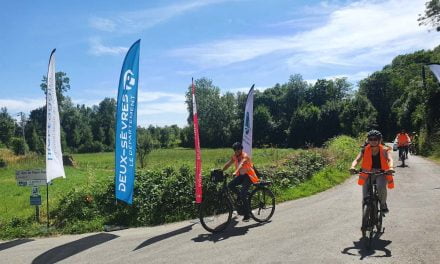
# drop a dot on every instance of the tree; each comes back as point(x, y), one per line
point(304, 126)
point(431, 16)
point(7, 127)
point(263, 126)
point(381, 91)
point(103, 119)
point(357, 116)
point(215, 113)
point(34, 141)
point(145, 144)
point(62, 85)
point(19, 146)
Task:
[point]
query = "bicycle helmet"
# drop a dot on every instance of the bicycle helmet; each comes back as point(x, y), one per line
point(374, 133)
point(237, 146)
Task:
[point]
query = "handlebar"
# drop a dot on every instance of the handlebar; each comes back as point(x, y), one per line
point(354, 171)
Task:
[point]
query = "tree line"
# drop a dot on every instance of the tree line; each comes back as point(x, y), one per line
point(403, 95)
point(293, 114)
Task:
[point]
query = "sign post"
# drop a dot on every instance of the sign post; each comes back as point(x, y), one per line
point(33, 178)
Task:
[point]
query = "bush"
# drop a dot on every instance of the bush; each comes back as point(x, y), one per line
point(3, 163)
point(93, 147)
point(167, 195)
point(19, 146)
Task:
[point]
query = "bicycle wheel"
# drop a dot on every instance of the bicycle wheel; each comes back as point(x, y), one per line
point(367, 225)
point(262, 204)
point(215, 213)
point(378, 217)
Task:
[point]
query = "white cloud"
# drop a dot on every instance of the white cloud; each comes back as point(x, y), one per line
point(245, 89)
point(364, 32)
point(98, 49)
point(352, 76)
point(154, 96)
point(136, 21)
point(161, 108)
point(24, 105)
point(102, 24)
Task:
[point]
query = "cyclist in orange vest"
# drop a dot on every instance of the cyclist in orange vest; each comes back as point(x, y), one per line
point(375, 157)
point(244, 175)
point(403, 141)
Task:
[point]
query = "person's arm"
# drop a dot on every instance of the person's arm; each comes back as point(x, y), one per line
point(356, 160)
point(228, 164)
point(390, 160)
point(409, 139)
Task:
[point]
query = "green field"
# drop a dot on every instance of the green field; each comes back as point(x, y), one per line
point(165, 194)
point(96, 167)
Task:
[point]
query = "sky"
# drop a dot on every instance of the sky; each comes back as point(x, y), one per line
point(235, 43)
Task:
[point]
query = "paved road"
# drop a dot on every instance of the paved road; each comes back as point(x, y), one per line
point(323, 228)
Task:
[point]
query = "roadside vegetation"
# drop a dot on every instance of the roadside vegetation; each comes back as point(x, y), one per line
point(84, 201)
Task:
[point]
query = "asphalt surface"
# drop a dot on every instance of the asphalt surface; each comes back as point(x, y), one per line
point(324, 228)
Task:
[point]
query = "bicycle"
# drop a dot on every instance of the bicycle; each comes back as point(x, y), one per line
point(215, 212)
point(412, 149)
point(372, 215)
point(403, 154)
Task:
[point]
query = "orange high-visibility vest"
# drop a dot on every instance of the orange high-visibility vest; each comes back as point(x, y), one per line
point(402, 139)
point(367, 165)
point(246, 165)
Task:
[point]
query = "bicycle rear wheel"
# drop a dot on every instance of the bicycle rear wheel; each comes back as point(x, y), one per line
point(262, 204)
point(215, 213)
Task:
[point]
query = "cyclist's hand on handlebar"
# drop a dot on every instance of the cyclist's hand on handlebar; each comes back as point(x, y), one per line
point(353, 171)
point(390, 171)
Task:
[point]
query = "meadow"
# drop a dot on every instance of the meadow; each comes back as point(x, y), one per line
point(99, 167)
point(165, 186)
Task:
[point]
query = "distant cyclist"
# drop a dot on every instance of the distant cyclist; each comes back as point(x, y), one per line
point(414, 140)
point(375, 157)
point(403, 141)
point(244, 175)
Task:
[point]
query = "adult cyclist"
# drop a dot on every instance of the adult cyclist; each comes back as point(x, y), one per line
point(244, 175)
point(375, 157)
point(403, 141)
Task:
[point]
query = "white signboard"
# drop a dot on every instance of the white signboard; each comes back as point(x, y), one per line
point(31, 177)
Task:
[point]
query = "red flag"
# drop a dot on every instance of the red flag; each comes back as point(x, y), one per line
point(198, 175)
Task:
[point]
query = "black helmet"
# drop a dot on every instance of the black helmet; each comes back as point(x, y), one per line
point(237, 146)
point(374, 133)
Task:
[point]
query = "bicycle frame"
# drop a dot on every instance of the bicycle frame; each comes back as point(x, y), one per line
point(372, 215)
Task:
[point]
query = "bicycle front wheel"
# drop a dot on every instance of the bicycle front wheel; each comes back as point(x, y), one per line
point(215, 213)
point(378, 217)
point(262, 204)
point(367, 223)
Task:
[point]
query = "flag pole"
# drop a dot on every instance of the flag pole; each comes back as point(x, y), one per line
point(47, 204)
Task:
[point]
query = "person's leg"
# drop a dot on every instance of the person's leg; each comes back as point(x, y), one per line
point(246, 183)
point(400, 152)
point(232, 185)
point(364, 192)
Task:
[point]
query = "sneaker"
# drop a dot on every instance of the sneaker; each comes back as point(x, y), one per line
point(246, 218)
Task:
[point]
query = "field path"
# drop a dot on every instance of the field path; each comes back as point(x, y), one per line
point(324, 228)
